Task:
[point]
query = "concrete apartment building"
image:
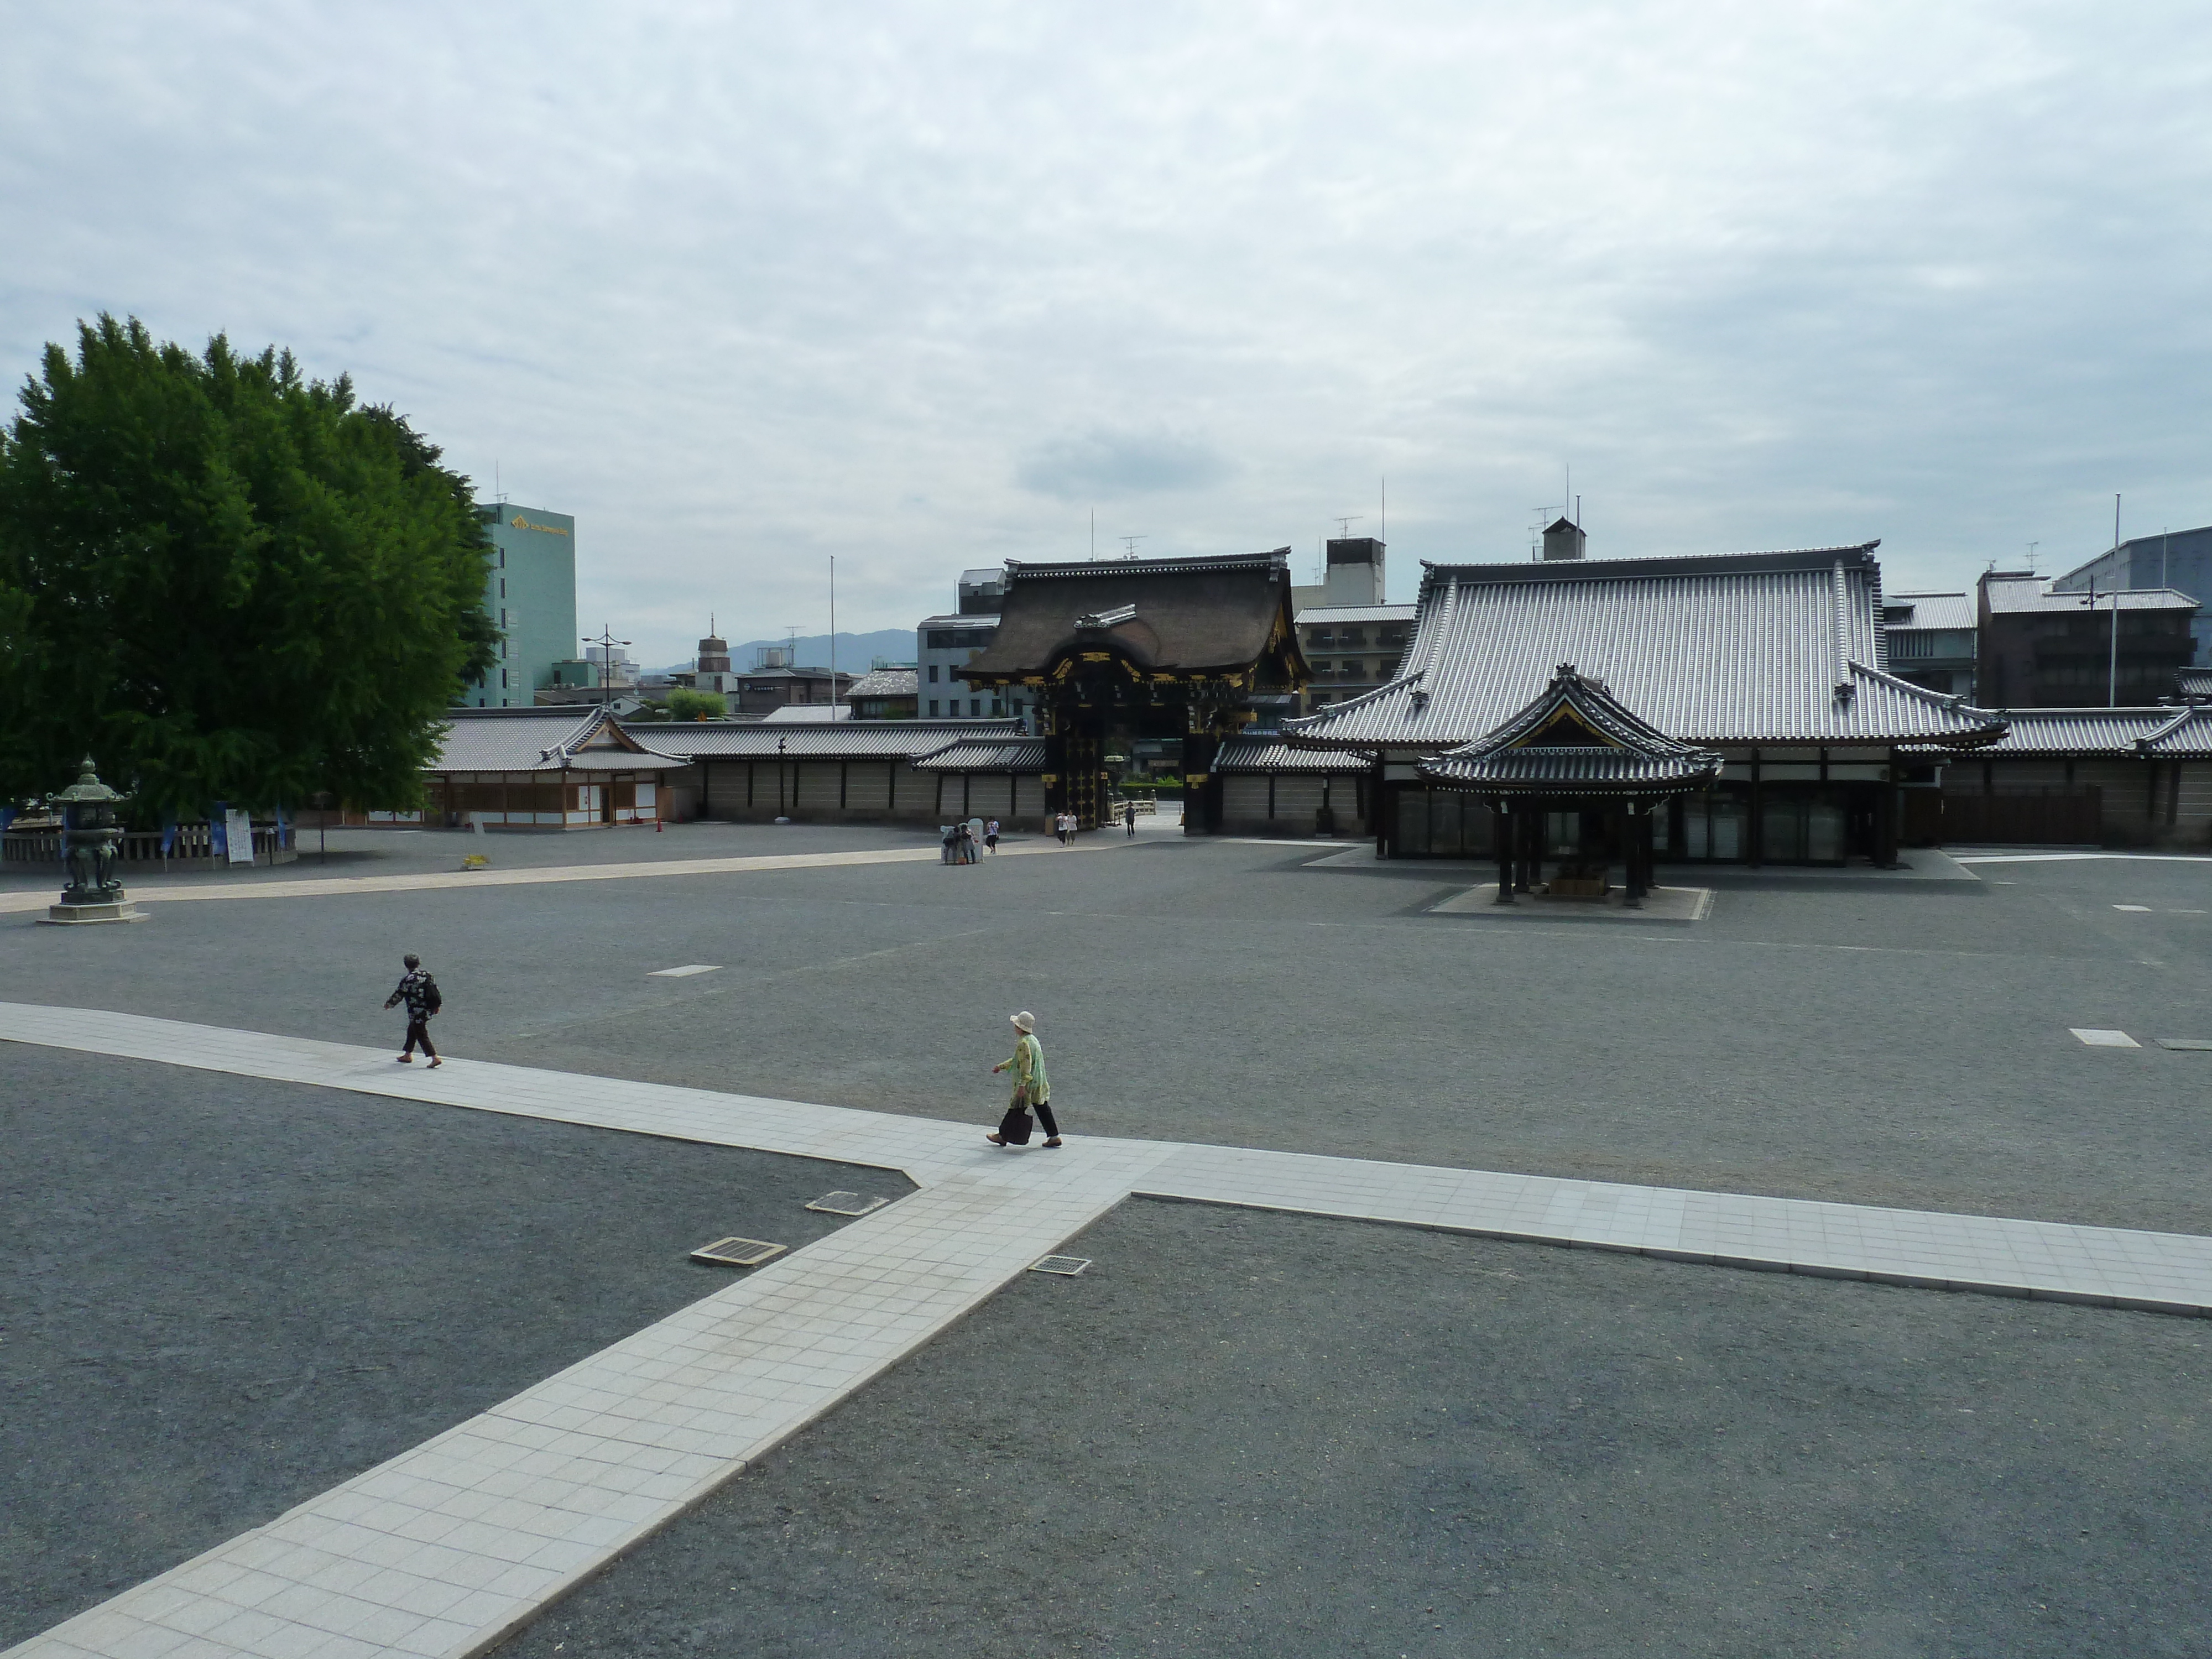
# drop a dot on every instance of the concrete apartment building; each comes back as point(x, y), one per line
point(1932, 640)
point(530, 591)
point(1351, 639)
point(946, 644)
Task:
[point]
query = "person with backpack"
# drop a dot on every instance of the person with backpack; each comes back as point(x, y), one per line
point(420, 993)
point(1032, 1090)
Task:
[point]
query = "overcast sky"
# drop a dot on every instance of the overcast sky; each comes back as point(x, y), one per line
point(923, 286)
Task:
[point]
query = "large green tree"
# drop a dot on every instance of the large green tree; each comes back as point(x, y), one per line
point(226, 581)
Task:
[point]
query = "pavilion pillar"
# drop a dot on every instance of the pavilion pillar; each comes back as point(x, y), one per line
point(1503, 822)
point(1633, 820)
point(1885, 824)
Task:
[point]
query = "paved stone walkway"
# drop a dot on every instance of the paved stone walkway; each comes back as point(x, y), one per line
point(449, 1547)
point(423, 881)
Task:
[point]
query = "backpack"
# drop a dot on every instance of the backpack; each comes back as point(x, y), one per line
point(432, 1000)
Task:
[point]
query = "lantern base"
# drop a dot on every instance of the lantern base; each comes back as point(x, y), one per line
point(79, 916)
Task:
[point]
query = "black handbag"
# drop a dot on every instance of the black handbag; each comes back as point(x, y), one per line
point(1014, 1127)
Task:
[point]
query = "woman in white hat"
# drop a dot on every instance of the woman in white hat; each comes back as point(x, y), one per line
point(1032, 1089)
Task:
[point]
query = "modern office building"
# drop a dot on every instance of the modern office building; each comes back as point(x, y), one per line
point(2040, 648)
point(2181, 559)
point(530, 591)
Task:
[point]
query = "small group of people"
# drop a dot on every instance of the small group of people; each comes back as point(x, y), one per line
point(1064, 824)
point(962, 840)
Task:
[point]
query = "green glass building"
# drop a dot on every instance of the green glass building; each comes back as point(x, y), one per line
point(530, 589)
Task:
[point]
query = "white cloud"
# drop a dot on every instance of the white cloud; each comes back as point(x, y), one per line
point(917, 284)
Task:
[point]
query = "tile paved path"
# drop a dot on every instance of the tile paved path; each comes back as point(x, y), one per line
point(420, 881)
point(449, 1547)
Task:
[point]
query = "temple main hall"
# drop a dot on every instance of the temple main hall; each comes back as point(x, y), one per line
point(1599, 715)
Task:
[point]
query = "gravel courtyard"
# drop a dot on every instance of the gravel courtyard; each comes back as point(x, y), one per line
point(1238, 1432)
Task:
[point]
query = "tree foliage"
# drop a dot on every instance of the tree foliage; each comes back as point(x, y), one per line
point(226, 581)
point(685, 704)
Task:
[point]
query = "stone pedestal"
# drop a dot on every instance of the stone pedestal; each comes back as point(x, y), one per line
point(79, 916)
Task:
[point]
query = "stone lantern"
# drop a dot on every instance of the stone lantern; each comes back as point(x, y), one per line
point(90, 836)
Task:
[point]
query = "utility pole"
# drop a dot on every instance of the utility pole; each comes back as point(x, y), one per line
point(606, 642)
point(2112, 672)
point(833, 637)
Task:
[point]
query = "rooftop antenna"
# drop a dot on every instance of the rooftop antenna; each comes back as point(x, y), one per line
point(1094, 532)
point(1130, 542)
point(2031, 546)
point(2164, 531)
point(495, 496)
point(1343, 523)
point(833, 635)
point(1578, 511)
point(2116, 521)
point(1383, 529)
point(1543, 518)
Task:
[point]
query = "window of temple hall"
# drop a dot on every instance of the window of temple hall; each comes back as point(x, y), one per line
point(933, 707)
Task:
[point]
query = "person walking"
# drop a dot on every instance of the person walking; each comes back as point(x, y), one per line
point(1130, 817)
point(1032, 1090)
point(1060, 826)
point(991, 834)
point(421, 994)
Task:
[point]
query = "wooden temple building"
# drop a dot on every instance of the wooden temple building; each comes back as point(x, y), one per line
point(1599, 715)
point(858, 771)
point(542, 768)
point(1115, 650)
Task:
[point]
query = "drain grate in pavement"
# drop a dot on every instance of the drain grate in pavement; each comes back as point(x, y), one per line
point(737, 1252)
point(1066, 1266)
point(846, 1204)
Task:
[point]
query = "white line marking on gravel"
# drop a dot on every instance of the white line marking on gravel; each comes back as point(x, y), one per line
point(2093, 1038)
point(685, 971)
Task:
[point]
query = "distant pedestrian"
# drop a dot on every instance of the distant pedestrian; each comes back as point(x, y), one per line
point(1129, 816)
point(1060, 823)
point(421, 994)
point(1032, 1090)
point(991, 834)
point(951, 834)
point(976, 831)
